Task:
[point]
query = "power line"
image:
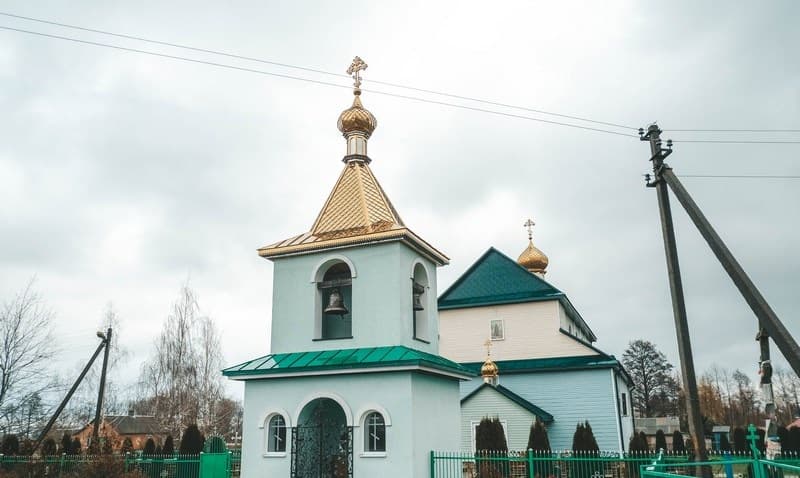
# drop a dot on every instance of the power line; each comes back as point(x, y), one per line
point(312, 70)
point(738, 130)
point(739, 176)
point(309, 80)
point(733, 141)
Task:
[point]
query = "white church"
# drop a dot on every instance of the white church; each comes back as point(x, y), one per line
point(364, 378)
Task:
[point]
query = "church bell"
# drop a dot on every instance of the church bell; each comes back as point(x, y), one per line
point(417, 291)
point(336, 304)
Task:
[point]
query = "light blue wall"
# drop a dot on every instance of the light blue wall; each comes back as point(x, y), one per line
point(571, 396)
point(381, 303)
point(423, 410)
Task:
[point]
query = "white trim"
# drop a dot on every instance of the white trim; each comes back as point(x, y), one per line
point(265, 433)
point(315, 273)
point(618, 420)
point(502, 329)
point(372, 454)
point(372, 407)
point(348, 415)
point(274, 454)
point(262, 423)
point(414, 263)
point(353, 371)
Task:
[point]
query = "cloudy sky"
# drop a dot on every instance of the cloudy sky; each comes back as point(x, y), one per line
point(122, 174)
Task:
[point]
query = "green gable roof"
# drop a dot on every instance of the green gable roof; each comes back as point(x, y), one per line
point(343, 360)
point(496, 279)
point(543, 415)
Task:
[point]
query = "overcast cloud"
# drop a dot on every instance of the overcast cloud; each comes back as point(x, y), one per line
point(122, 175)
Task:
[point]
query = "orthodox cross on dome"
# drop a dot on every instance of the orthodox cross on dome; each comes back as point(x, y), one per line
point(356, 67)
point(488, 344)
point(529, 225)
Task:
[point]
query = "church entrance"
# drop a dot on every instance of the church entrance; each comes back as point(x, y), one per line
point(322, 443)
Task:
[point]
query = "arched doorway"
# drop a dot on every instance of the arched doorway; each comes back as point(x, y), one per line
point(322, 442)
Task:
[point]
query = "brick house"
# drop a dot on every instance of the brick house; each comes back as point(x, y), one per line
point(119, 427)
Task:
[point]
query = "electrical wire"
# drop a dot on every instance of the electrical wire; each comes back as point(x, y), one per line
point(733, 141)
point(313, 70)
point(309, 80)
point(385, 93)
point(739, 176)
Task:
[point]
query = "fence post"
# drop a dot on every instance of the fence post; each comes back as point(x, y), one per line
point(530, 463)
point(433, 467)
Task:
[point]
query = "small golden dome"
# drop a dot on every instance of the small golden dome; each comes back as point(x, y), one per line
point(489, 369)
point(533, 259)
point(357, 118)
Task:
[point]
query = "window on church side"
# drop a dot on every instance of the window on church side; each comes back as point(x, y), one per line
point(336, 303)
point(624, 405)
point(276, 435)
point(374, 433)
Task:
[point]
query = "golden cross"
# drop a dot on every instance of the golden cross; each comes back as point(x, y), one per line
point(488, 344)
point(529, 224)
point(355, 69)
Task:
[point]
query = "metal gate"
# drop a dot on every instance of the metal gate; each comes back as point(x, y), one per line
point(323, 451)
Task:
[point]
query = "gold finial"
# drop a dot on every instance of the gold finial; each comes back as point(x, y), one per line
point(529, 225)
point(489, 369)
point(356, 67)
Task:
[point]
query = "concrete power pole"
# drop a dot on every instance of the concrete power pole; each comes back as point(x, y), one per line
point(658, 154)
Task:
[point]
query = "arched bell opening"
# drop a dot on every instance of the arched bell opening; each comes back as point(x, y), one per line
point(322, 441)
point(334, 304)
point(420, 303)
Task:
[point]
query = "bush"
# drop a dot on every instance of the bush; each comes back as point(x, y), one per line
point(740, 440)
point(678, 445)
point(49, 447)
point(76, 446)
point(10, 445)
point(539, 445)
point(192, 441)
point(661, 441)
point(127, 446)
point(637, 445)
point(149, 447)
point(725, 444)
point(66, 444)
point(169, 446)
point(490, 440)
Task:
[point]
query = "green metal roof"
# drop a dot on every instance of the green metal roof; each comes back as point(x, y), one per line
point(496, 279)
point(553, 364)
point(543, 415)
point(345, 359)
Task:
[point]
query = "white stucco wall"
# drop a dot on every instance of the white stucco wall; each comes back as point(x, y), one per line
point(423, 409)
point(531, 331)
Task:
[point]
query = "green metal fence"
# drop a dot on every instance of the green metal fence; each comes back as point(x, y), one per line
point(206, 465)
point(569, 464)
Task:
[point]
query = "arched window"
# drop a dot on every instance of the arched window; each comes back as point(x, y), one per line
point(276, 435)
point(420, 303)
point(335, 303)
point(374, 433)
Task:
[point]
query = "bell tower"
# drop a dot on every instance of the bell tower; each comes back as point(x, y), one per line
point(359, 277)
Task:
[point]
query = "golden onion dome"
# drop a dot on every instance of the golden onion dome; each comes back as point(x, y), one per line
point(489, 369)
point(357, 119)
point(533, 259)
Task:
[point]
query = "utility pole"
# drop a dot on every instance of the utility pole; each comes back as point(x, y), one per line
point(658, 154)
point(72, 389)
point(107, 341)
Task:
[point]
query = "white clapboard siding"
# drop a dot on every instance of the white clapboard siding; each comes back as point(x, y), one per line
point(488, 402)
point(531, 331)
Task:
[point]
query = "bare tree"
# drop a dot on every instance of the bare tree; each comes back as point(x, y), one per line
point(181, 383)
point(655, 391)
point(26, 347)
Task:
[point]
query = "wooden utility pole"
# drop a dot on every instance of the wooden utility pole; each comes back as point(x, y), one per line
point(107, 341)
point(658, 154)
